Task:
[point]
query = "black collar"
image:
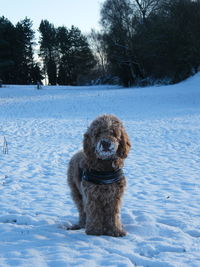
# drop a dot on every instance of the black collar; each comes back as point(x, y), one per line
point(103, 177)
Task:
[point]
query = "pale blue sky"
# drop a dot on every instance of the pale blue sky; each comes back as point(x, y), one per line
point(85, 14)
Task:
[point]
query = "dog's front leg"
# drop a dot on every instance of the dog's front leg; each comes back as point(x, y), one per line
point(94, 218)
point(112, 220)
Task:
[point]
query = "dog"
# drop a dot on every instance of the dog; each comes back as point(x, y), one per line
point(96, 179)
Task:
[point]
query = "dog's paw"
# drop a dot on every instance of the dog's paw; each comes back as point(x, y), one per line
point(74, 227)
point(115, 232)
point(112, 232)
point(93, 232)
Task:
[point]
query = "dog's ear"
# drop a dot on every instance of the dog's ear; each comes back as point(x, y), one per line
point(124, 145)
point(87, 146)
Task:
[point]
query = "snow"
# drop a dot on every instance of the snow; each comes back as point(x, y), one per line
point(160, 212)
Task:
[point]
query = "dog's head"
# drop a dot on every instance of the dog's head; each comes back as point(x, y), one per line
point(106, 139)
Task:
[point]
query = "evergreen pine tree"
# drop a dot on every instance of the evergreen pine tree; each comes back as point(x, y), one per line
point(48, 50)
point(24, 51)
point(7, 50)
point(76, 58)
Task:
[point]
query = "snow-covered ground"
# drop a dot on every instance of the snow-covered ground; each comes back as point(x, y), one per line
point(161, 206)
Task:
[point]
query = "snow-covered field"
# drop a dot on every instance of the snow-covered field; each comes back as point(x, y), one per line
point(161, 206)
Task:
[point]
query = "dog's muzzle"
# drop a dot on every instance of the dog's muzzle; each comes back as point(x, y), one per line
point(106, 148)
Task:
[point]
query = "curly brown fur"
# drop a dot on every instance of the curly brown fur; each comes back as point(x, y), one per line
point(105, 146)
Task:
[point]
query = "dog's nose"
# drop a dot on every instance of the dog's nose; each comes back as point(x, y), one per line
point(106, 145)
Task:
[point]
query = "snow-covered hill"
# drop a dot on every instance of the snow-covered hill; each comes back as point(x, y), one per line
point(161, 207)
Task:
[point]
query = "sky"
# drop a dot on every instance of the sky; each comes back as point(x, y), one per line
point(84, 14)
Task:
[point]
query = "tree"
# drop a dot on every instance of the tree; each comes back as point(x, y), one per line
point(65, 53)
point(7, 48)
point(185, 24)
point(147, 7)
point(120, 24)
point(75, 56)
point(151, 38)
point(17, 63)
point(64, 46)
point(36, 75)
point(24, 56)
point(169, 42)
point(98, 47)
point(48, 50)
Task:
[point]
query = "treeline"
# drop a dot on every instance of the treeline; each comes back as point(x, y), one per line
point(148, 40)
point(17, 64)
point(141, 42)
point(64, 54)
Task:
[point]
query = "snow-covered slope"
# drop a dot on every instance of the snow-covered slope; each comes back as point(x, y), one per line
point(161, 207)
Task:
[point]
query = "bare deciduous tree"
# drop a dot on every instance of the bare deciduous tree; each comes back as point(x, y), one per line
point(146, 7)
point(97, 45)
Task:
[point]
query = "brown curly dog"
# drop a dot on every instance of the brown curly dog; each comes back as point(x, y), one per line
point(96, 178)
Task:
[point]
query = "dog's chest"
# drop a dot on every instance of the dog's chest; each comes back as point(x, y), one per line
point(102, 194)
